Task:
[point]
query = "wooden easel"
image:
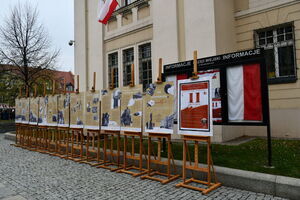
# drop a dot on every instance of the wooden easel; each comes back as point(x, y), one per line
point(209, 185)
point(18, 126)
point(77, 139)
point(158, 160)
point(110, 163)
point(208, 170)
point(62, 138)
point(93, 140)
point(160, 136)
point(127, 169)
point(33, 131)
point(52, 132)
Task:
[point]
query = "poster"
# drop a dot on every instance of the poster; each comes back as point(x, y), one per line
point(131, 108)
point(110, 109)
point(63, 115)
point(52, 110)
point(159, 112)
point(43, 111)
point(25, 105)
point(215, 93)
point(76, 110)
point(18, 110)
point(34, 110)
point(195, 107)
point(92, 110)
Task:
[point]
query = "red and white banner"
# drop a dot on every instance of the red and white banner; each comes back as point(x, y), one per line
point(195, 107)
point(244, 93)
point(106, 9)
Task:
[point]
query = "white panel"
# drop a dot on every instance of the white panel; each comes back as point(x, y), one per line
point(235, 92)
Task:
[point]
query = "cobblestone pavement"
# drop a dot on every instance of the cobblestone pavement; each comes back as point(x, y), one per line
point(30, 175)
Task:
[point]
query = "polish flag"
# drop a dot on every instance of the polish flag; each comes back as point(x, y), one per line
point(106, 9)
point(244, 93)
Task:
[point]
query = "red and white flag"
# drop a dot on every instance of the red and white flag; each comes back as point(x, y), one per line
point(244, 93)
point(106, 9)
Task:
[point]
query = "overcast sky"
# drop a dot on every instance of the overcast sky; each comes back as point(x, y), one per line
point(57, 17)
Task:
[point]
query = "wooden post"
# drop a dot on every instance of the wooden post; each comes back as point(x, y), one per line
point(27, 91)
point(112, 77)
point(53, 87)
point(132, 76)
point(20, 92)
point(159, 78)
point(94, 82)
point(44, 92)
point(195, 72)
point(77, 90)
point(65, 91)
point(35, 90)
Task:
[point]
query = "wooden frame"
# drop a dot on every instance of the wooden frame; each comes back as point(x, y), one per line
point(195, 167)
point(126, 168)
point(151, 173)
point(109, 163)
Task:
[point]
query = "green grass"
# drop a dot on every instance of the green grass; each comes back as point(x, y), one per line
point(6, 121)
point(251, 156)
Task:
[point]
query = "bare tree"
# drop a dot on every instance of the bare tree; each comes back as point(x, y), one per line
point(25, 45)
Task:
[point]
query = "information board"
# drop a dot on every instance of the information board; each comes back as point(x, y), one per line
point(158, 109)
point(131, 108)
point(195, 107)
point(63, 110)
point(52, 110)
point(76, 110)
point(110, 109)
point(92, 110)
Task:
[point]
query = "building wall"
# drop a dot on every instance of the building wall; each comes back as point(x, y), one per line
point(200, 29)
point(284, 98)
point(210, 27)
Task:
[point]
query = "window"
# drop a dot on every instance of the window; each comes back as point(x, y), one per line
point(279, 48)
point(126, 2)
point(128, 59)
point(145, 64)
point(113, 70)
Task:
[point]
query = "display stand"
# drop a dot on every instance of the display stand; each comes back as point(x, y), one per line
point(93, 140)
point(18, 127)
point(127, 168)
point(209, 185)
point(76, 144)
point(111, 163)
point(77, 139)
point(157, 159)
point(42, 134)
point(93, 146)
point(52, 133)
point(157, 156)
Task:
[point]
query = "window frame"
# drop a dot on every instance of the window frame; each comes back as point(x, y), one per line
point(275, 45)
point(117, 66)
point(122, 62)
point(139, 61)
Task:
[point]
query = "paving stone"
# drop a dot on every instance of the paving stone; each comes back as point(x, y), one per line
point(31, 175)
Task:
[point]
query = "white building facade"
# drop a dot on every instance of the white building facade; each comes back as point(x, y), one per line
point(142, 31)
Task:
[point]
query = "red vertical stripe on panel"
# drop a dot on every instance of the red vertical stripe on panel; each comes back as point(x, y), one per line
point(191, 97)
point(252, 93)
point(197, 97)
